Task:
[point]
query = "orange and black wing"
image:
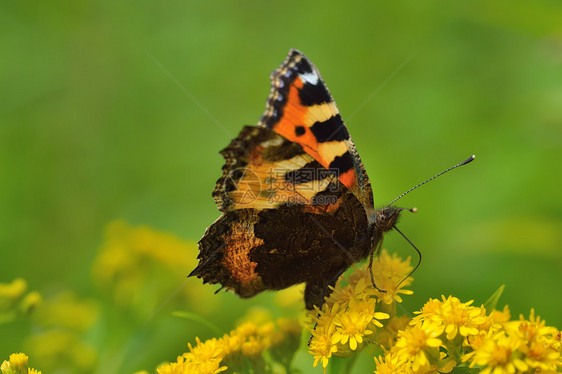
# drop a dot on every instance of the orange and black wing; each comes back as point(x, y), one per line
point(301, 109)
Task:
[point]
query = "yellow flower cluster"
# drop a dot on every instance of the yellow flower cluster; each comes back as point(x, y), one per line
point(15, 301)
point(140, 266)
point(522, 346)
point(352, 313)
point(17, 364)
point(242, 350)
point(447, 333)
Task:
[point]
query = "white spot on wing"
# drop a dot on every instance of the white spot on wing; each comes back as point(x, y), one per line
point(311, 78)
point(273, 142)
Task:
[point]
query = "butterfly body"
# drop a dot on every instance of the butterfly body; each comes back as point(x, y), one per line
point(296, 200)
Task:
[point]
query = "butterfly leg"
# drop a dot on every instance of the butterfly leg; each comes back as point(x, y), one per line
point(377, 250)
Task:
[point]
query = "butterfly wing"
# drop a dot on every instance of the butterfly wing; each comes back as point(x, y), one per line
point(263, 170)
point(301, 109)
point(286, 220)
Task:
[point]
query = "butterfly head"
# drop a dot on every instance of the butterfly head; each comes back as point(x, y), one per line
point(387, 217)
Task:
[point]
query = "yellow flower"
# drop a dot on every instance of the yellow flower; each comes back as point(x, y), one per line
point(531, 329)
point(388, 272)
point(352, 313)
point(454, 316)
point(265, 335)
point(500, 316)
point(209, 350)
point(475, 342)
point(539, 354)
point(498, 355)
point(355, 290)
point(248, 340)
point(431, 310)
point(205, 357)
point(419, 345)
point(246, 329)
point(232, 343)
point(17, 364)
point(352, 324)
point(252, 347)
point(388, 335)
point(324, 319)
point(346, 322)
point(184, 365)
point(321, 346)
point(538, 342)
point(493, 321)
point(390, 364)
point(394, 363)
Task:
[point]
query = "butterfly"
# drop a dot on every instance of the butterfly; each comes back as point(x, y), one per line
point(296, 200)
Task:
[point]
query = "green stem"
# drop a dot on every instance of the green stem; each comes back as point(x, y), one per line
point(340, 365)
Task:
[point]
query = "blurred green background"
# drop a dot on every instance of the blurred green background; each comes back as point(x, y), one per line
point(95, 127)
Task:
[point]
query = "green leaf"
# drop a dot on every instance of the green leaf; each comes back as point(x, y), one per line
point(196, 318)
point(492, 302)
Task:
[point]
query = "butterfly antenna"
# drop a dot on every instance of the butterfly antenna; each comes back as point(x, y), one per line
point(417, 250)
point(432, 178)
